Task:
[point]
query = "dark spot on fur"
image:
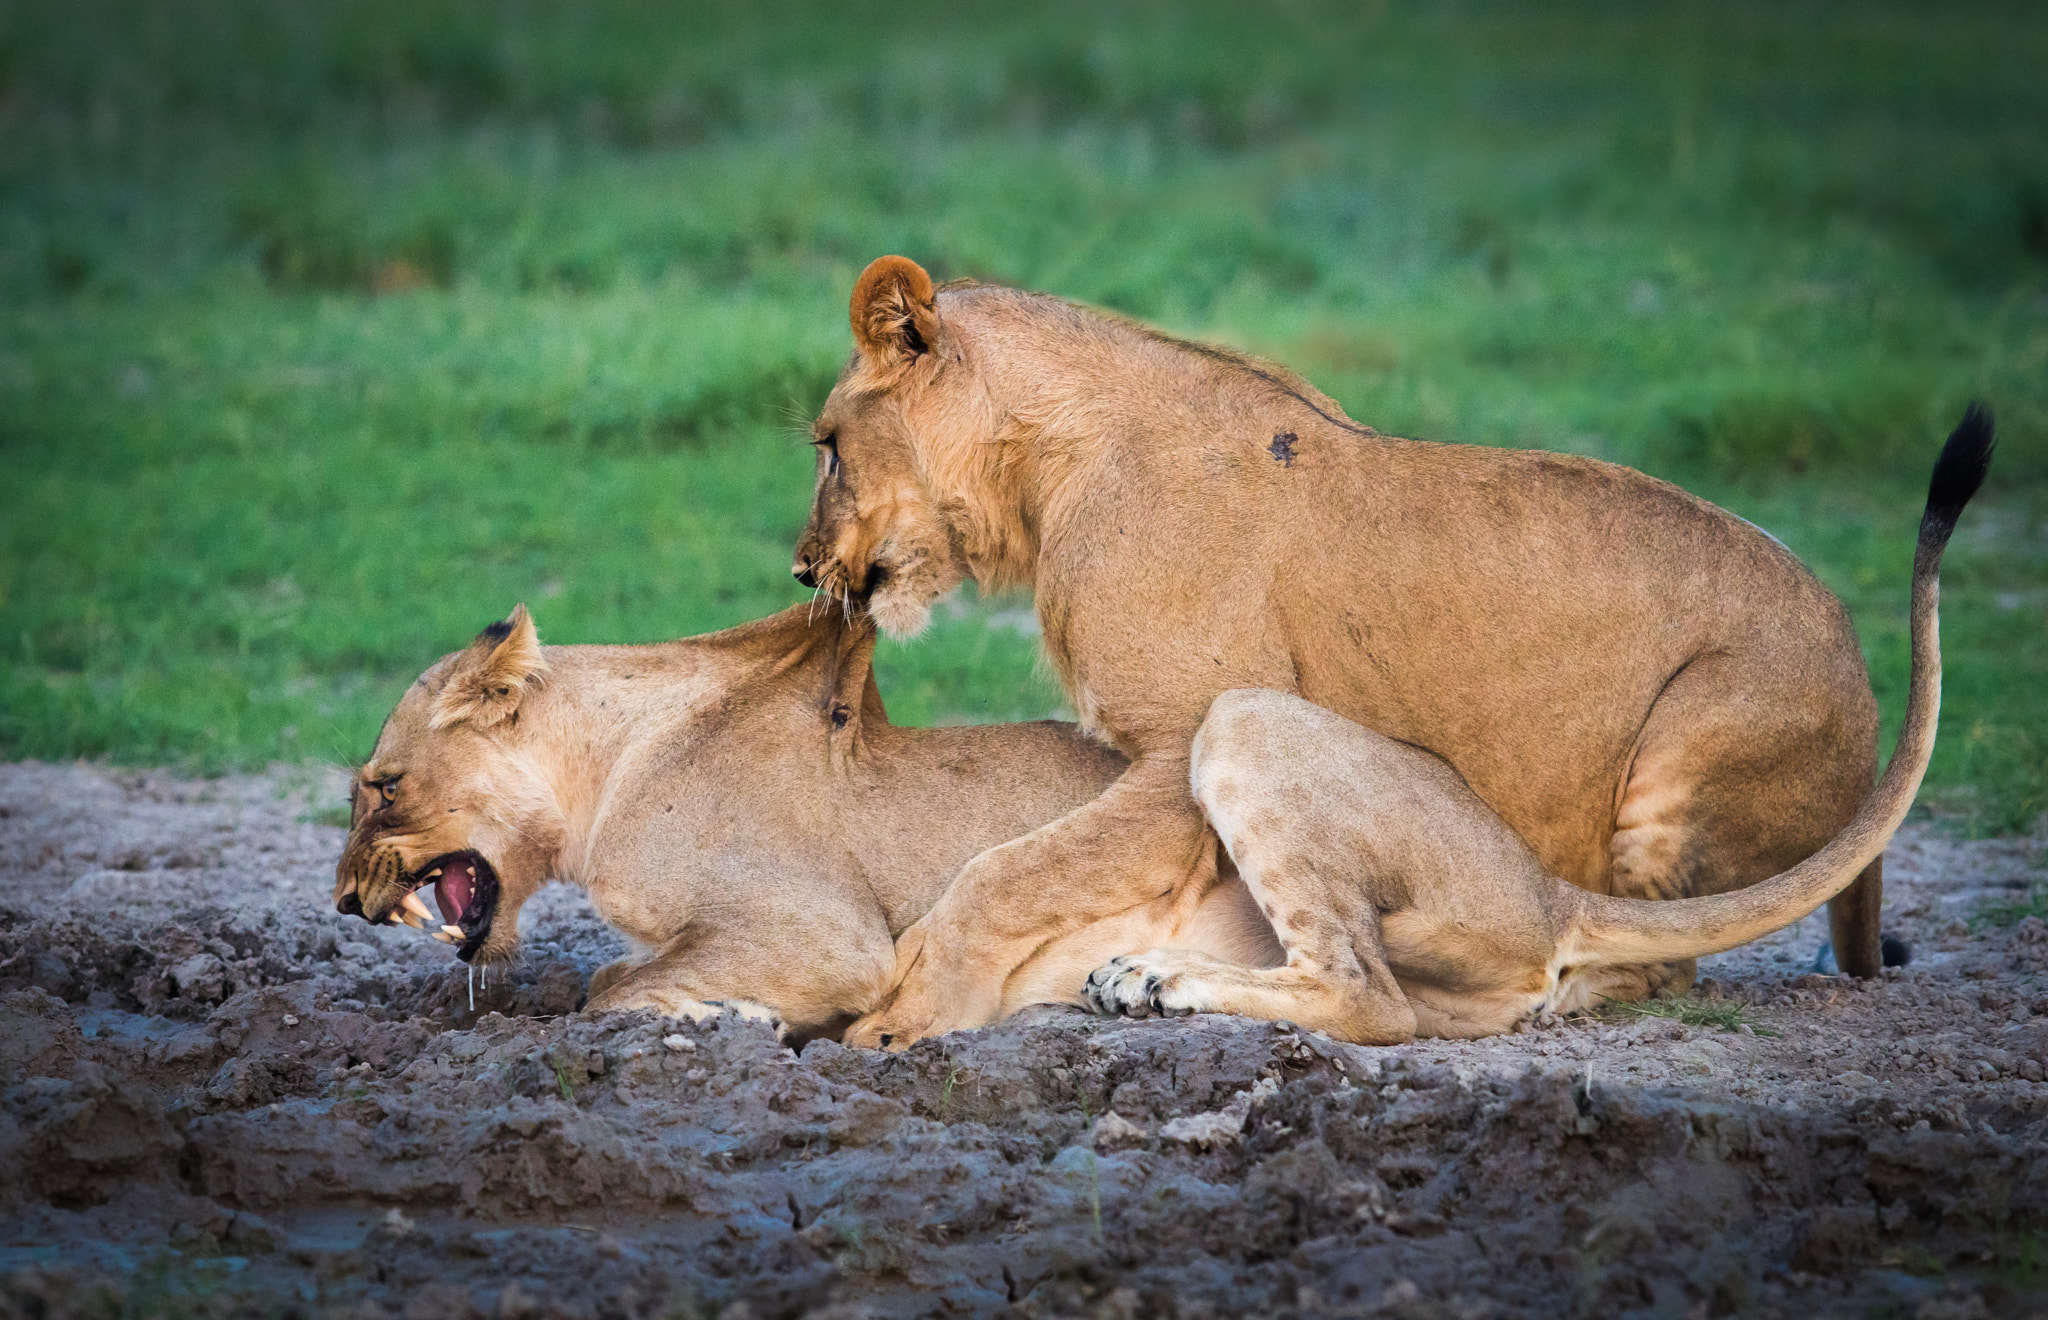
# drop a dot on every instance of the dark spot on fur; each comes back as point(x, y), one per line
point(1282, 449)
point(840, 715)
point(496, 633)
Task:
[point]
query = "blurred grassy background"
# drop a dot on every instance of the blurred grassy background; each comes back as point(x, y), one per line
point(329, 331)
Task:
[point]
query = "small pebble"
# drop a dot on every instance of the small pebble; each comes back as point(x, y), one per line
point(680, 1044)
point(290, 1020)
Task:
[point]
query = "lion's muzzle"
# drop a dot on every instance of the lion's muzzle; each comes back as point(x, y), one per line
point(382, 891)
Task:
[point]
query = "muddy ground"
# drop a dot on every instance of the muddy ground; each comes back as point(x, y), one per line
point(217, 1097)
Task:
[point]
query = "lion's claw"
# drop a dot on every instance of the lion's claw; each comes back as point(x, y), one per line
point(1138, 986)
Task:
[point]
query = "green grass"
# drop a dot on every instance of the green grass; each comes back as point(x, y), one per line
point(329, 332)
point(953, 1075)
point(2012, 911)
point(1692, 1010)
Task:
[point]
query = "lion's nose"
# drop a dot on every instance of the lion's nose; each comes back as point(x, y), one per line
point(349, 904)
point(805, 572)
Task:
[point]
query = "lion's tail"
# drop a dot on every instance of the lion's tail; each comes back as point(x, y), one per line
point(1607, 930)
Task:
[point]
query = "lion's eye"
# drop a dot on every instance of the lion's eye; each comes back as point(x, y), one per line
point(389, 788)
point(829, 442)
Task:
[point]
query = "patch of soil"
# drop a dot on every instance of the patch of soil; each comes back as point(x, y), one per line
point(218, 1097)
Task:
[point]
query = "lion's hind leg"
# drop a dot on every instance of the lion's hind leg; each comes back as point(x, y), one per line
point(1365, 855)
point(1354, 1000)
point(1744, 768)
point(1262, 773)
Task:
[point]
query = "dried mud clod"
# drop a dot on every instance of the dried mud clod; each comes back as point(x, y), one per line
point(220, 1098)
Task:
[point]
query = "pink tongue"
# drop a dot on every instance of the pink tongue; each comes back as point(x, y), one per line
point(454, 889)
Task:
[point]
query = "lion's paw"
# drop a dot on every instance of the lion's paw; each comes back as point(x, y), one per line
point(746, 1010)
point(698, 1011)
point(1155, 984)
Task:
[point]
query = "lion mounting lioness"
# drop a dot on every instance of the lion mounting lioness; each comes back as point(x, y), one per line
point(740, 808)
point(1653, 696)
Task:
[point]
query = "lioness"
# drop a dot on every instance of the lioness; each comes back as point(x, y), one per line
point(1654, 695)
point(737, 805)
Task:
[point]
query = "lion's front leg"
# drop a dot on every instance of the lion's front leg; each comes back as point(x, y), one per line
point(657, 985)
point(1143, 838)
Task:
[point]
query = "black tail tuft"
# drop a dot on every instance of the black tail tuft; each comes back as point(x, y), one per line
point(1958, 472)
point(1897, 953)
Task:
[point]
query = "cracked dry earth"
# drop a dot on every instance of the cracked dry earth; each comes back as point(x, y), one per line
point(217, 1097)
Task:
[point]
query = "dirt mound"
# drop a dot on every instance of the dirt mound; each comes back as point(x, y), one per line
point(219, 1098)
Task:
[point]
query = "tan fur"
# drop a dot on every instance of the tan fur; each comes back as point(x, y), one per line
point(1658, 699)
point(739, 807)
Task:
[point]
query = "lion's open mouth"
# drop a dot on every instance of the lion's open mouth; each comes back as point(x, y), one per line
point(466, 888)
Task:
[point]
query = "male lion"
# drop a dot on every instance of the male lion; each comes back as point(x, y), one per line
point(1654, 695)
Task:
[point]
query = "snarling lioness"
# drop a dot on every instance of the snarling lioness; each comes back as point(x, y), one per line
point(1653, 695)
point(737, 805)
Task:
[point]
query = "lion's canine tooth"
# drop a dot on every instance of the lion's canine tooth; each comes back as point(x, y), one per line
point(444, 937)
point(412, 904)
point(434, 873)
point(455, 931)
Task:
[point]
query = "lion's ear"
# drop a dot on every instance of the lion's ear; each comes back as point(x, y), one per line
point(894, 316)
point(493, 674)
